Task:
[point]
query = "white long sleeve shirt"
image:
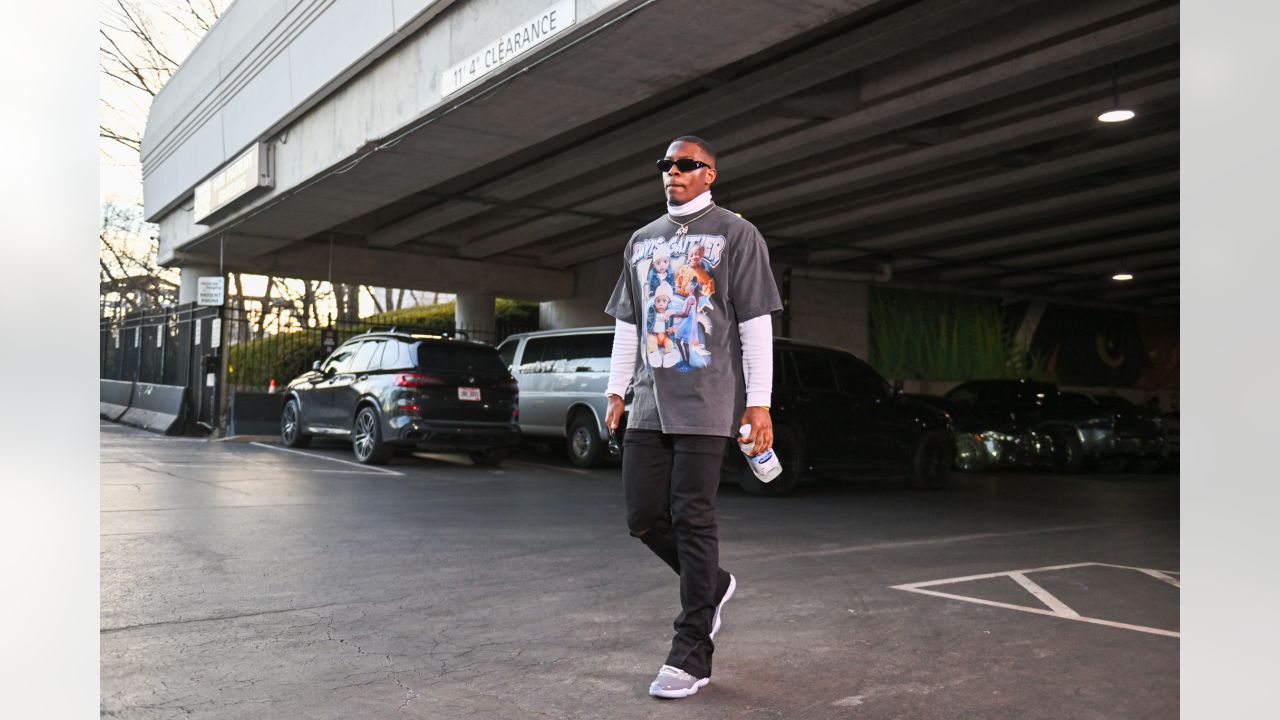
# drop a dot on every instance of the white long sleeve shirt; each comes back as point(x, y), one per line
point(755, 334)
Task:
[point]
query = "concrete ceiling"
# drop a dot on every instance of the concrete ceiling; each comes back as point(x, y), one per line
point(954, 140)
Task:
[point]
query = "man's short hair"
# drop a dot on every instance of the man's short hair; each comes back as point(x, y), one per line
point(695, 140)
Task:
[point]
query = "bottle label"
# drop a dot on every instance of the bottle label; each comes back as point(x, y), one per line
point(763, 457)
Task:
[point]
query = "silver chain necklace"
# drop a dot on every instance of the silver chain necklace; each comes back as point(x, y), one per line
point(683, 228)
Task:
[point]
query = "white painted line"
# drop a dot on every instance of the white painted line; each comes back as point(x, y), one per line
point(1164, 577)
point(949, 539)
point(365, 468)
point(1044, 596)
point(1059, 609)
point(1039, 611)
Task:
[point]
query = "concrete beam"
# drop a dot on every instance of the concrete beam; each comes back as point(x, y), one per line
point(917, 203)
point(863, 46)
point(1080, 53)
point(1035, 259)
point(1111, 195)
point(387, 268)
point(979, 251)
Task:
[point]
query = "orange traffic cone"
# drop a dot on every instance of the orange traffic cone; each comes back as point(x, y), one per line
point(272, 387)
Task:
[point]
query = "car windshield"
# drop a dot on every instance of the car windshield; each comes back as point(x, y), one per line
point(461, 358)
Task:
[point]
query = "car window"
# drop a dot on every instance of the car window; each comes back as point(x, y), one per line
point(531, 360)
point(458, 357)
point(395, 356)
point(581, 353)
point(365, 359)
point(813, 371)
point(340, 360)
point(965, 394)
point(507, 351)
point(856, 378)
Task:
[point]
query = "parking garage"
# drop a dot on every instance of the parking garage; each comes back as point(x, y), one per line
point(904, 160)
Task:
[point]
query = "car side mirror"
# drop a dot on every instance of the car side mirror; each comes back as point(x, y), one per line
point(315, 366)
point(897, 389)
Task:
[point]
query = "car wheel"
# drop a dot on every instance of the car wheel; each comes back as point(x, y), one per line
point(931, 462)
point(584, 445)
point(488, 458)
point(1068, 453)
point(971, 455)
point(790, 454)
point(291, 434)
point(366, 438)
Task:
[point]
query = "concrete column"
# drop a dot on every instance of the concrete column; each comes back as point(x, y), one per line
point(187, 284)
point(593, 284)
point(475, 315)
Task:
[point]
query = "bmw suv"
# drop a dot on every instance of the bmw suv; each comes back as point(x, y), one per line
point(385, 390)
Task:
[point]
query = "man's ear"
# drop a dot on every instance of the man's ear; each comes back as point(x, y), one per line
point(711, 176)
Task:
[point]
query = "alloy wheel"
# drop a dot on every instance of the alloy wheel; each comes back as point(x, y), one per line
point(364, 435)
point(290, 422)
point(581, 442)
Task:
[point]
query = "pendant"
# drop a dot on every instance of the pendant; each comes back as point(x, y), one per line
point(680, 231)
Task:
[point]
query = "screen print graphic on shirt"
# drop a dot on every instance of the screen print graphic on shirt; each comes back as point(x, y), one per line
point(677, 281)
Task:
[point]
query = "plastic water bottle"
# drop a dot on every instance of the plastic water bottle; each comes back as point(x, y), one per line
point(765, 465)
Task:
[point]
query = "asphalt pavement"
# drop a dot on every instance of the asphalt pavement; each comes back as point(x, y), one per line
point(249, 581)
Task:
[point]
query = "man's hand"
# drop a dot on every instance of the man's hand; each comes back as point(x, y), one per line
point(761, 429)
point(614, 414)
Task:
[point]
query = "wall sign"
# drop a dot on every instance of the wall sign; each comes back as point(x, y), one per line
point(247, 173)
point(215, 332)
point(211, 290)
point(510, 45)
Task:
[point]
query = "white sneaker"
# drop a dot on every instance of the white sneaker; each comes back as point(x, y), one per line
point(672, 682)
point(733, 585)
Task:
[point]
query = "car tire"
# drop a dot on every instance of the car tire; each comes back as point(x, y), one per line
point(492, 457)
point(291, 435)
point(366, 438)
point(970, 454)
point(930, 467)
point(790, 452)
point(584, 446)
point(1068, 452)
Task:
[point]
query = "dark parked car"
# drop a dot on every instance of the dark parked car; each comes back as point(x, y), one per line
point(385, 390)
point(990, 440)
point(833, 412)
point(1081, 431)
point(1140, 433)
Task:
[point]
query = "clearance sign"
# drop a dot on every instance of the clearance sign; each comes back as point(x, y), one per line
point(510, 45)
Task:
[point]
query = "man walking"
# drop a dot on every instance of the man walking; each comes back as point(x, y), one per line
point(684, 410)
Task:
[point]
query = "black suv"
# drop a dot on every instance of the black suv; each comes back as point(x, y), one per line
point(833, 412)
point(386, 389)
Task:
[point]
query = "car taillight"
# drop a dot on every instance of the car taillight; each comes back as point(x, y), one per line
point(407, 405)
point(417, 380)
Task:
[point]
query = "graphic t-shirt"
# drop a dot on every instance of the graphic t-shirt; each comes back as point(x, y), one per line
point(686, 294)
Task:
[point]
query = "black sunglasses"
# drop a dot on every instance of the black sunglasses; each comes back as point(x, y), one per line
point(686, 165)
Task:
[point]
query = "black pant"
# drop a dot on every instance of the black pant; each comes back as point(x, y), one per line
point(671, 483)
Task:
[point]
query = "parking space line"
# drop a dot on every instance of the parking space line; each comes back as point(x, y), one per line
point(1059, 609)
point(1044, 596)
point(1164, 577)
point(365, 468)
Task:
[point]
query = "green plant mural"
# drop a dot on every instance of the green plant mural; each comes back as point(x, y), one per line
point(933, 336)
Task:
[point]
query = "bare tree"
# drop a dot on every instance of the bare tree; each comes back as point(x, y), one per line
point(142, 43)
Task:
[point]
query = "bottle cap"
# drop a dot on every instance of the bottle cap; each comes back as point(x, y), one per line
point(744, 431)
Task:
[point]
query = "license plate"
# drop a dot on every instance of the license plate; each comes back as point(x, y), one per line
point(468, 393)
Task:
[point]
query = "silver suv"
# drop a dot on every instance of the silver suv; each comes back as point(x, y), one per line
point(562, 376)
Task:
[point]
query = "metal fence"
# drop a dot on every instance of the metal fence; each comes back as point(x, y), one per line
point(215, 351)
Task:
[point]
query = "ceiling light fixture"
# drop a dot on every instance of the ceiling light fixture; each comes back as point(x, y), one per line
point(1122, 277)
point(1117, 113)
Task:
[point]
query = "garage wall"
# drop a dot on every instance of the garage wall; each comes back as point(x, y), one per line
point(830, 312)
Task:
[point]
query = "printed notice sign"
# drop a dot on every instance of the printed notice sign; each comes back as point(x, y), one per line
point(510, 45)
point(211, 290)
